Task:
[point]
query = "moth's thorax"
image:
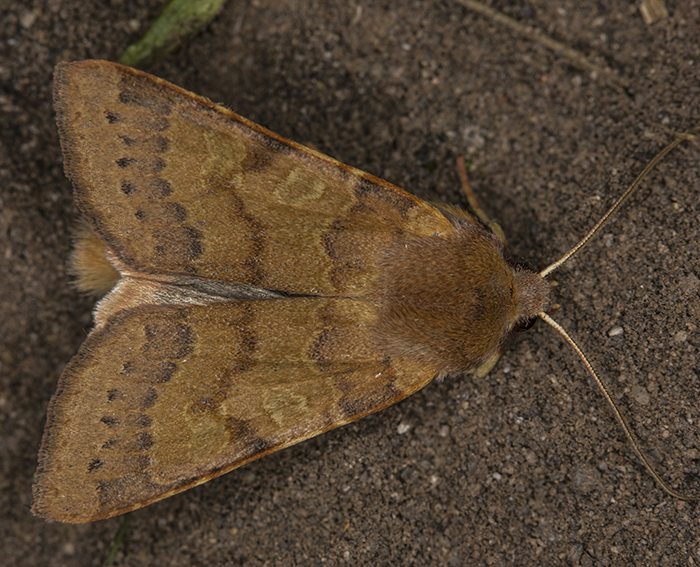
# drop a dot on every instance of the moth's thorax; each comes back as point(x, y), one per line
point(450, 300)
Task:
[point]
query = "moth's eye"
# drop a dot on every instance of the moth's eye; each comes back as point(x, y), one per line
point(525, 325)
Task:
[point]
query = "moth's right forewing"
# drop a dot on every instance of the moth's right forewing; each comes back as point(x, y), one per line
point(165, 398)
point(178, 185)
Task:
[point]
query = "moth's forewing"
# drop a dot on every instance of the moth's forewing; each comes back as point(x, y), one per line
point(165, 398)
point(176, 184)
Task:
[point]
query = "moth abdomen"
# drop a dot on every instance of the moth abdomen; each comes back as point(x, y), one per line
point(90, 263)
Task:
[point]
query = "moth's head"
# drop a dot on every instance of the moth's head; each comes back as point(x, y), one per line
point(530, 294)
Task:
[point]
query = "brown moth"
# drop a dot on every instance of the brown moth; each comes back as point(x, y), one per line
point(259, 293)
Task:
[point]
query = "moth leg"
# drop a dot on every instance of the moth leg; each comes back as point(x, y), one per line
point(485, 367)
point(474, 202)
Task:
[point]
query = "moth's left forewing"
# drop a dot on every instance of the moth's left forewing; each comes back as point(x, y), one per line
point(178, 185)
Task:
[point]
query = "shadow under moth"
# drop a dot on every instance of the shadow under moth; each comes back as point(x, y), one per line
point(256, 293)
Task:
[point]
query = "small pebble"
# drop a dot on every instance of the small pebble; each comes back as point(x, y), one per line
point(640, 395)
point(27, 19)
point(615, 331)
point(403, 428)
point(680, 336)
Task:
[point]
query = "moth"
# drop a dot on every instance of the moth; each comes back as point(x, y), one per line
point(257, 293)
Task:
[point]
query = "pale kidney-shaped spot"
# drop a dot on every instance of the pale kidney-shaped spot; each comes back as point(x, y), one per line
point(300, 188)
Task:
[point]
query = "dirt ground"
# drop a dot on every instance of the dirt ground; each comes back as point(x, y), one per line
point(524, 466)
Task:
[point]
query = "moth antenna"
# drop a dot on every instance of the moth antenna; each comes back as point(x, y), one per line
point(616, 410)
point(680, 138)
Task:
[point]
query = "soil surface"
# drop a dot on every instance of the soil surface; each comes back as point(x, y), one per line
point(526, 465)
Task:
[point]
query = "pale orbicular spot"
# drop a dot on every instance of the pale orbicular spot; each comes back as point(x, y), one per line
point(223, 155)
